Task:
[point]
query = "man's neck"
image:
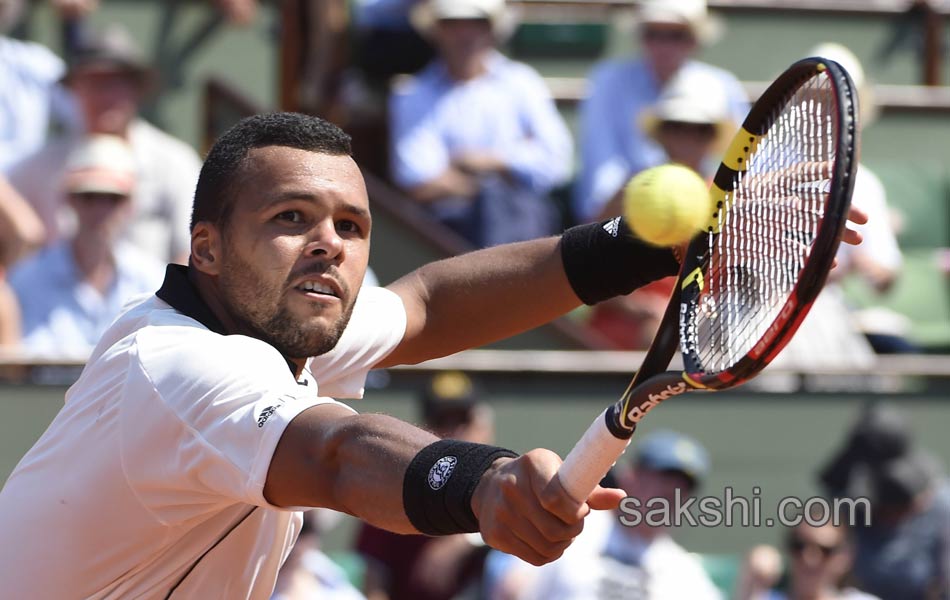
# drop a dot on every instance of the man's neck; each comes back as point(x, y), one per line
point(208, 292)
point(94, 260)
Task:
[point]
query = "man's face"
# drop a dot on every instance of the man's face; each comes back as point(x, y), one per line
point(295, 250)
point(108, 97)
point(666, 46)
point(462, 40)
point(819, 557)
point(100, 216)
point(687, 143)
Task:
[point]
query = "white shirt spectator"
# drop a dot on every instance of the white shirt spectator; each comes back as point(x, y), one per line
point(30, 95)
point(167, 173)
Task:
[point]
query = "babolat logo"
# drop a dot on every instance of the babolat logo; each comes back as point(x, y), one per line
point(774, 329)
point(265, 414)
point(638, 412)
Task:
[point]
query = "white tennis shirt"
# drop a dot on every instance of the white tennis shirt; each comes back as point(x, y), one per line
point(149, 482)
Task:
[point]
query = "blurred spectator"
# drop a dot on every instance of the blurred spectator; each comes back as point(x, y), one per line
point(31, 99)
point(416, 567)
point(308, 573)
point(832, 335)
point(692, 122)
point(238, 12)
point(613, 560)
point(109, 78)
point(476, 136)
point(20, 232)
point(878, 259)
point(905, 552)
point(819, 559)
point(613, 145)
point(387, 43)
point(72, 290)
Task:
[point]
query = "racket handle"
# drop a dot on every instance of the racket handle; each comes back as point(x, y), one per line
point(591, 458)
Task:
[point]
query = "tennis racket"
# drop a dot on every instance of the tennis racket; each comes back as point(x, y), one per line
point(781, 198)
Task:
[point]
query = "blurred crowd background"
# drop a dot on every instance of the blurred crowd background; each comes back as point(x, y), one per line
point(479, 122)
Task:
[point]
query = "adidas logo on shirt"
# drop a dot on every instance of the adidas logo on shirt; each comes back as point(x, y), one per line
point(612, 226)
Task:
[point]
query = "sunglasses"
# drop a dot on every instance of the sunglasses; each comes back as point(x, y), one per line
point(679, 36)
point(796, 547)
point(704, 130)
point(98, 197)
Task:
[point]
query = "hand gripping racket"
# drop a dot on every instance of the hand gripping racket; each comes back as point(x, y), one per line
point(781, 198)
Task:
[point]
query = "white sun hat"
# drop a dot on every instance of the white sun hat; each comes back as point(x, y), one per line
point(692, 13)
point(695, 97)
point(867, 106)
point(503, 20)
point(101, 164)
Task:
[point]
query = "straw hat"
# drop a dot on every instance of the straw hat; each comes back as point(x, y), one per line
point(692, 96)
point(503, 20)
point(693, 13)
point(868, 107)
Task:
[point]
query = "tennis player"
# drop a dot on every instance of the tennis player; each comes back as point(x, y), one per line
point(199, 427)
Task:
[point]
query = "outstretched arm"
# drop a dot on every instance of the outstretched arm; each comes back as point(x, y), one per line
point(476, 298)
point(358, 464)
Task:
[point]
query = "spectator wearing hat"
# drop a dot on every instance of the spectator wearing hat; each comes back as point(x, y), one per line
point(693, 123)
point(416, 567)
point(72, 290)
point(905, 551)
point(612, 559)
point(476, 138)
point(110, 78)
point(31, 99)
point(613, 145)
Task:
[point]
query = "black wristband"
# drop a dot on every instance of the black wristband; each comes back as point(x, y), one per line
point(603, 260)
point(439, 482)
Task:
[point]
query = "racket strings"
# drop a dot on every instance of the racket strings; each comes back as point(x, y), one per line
point(769, 222)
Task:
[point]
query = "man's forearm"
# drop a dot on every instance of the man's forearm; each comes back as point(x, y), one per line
point(477, 298)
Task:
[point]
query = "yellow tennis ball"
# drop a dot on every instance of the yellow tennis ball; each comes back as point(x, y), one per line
point(666, 205)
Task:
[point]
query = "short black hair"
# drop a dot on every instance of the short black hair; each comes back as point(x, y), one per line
point(224, 160)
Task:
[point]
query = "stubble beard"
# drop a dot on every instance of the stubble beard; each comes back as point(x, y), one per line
point(241, 292)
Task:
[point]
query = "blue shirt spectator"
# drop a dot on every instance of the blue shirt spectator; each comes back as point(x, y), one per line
point(62, 315)
point(509, 111)
point(613, 146)
point(30, 95)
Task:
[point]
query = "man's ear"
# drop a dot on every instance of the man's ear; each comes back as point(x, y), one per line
point(206, 248)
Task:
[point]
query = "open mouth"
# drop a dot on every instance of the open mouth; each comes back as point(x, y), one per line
point(320, 289)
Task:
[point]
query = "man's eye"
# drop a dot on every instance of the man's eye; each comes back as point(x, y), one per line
point(290, 215)
point(348, 226)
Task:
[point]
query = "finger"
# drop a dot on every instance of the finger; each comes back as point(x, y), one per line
point(605, 498)
point(512, 544)
point(858, 216)
point(852, 237)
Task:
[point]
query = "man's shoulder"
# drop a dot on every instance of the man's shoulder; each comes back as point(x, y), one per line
point(48, 263)
point(616, 69)
point(44, 162)
point(719, 72)
point(148, 136)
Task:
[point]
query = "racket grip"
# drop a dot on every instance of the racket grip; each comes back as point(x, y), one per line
point(590, 459)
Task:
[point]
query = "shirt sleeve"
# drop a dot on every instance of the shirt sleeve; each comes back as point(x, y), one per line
point(201, 417)
point(543, 158)
point(604, 163)
point(376, 327)
point(419, 153)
